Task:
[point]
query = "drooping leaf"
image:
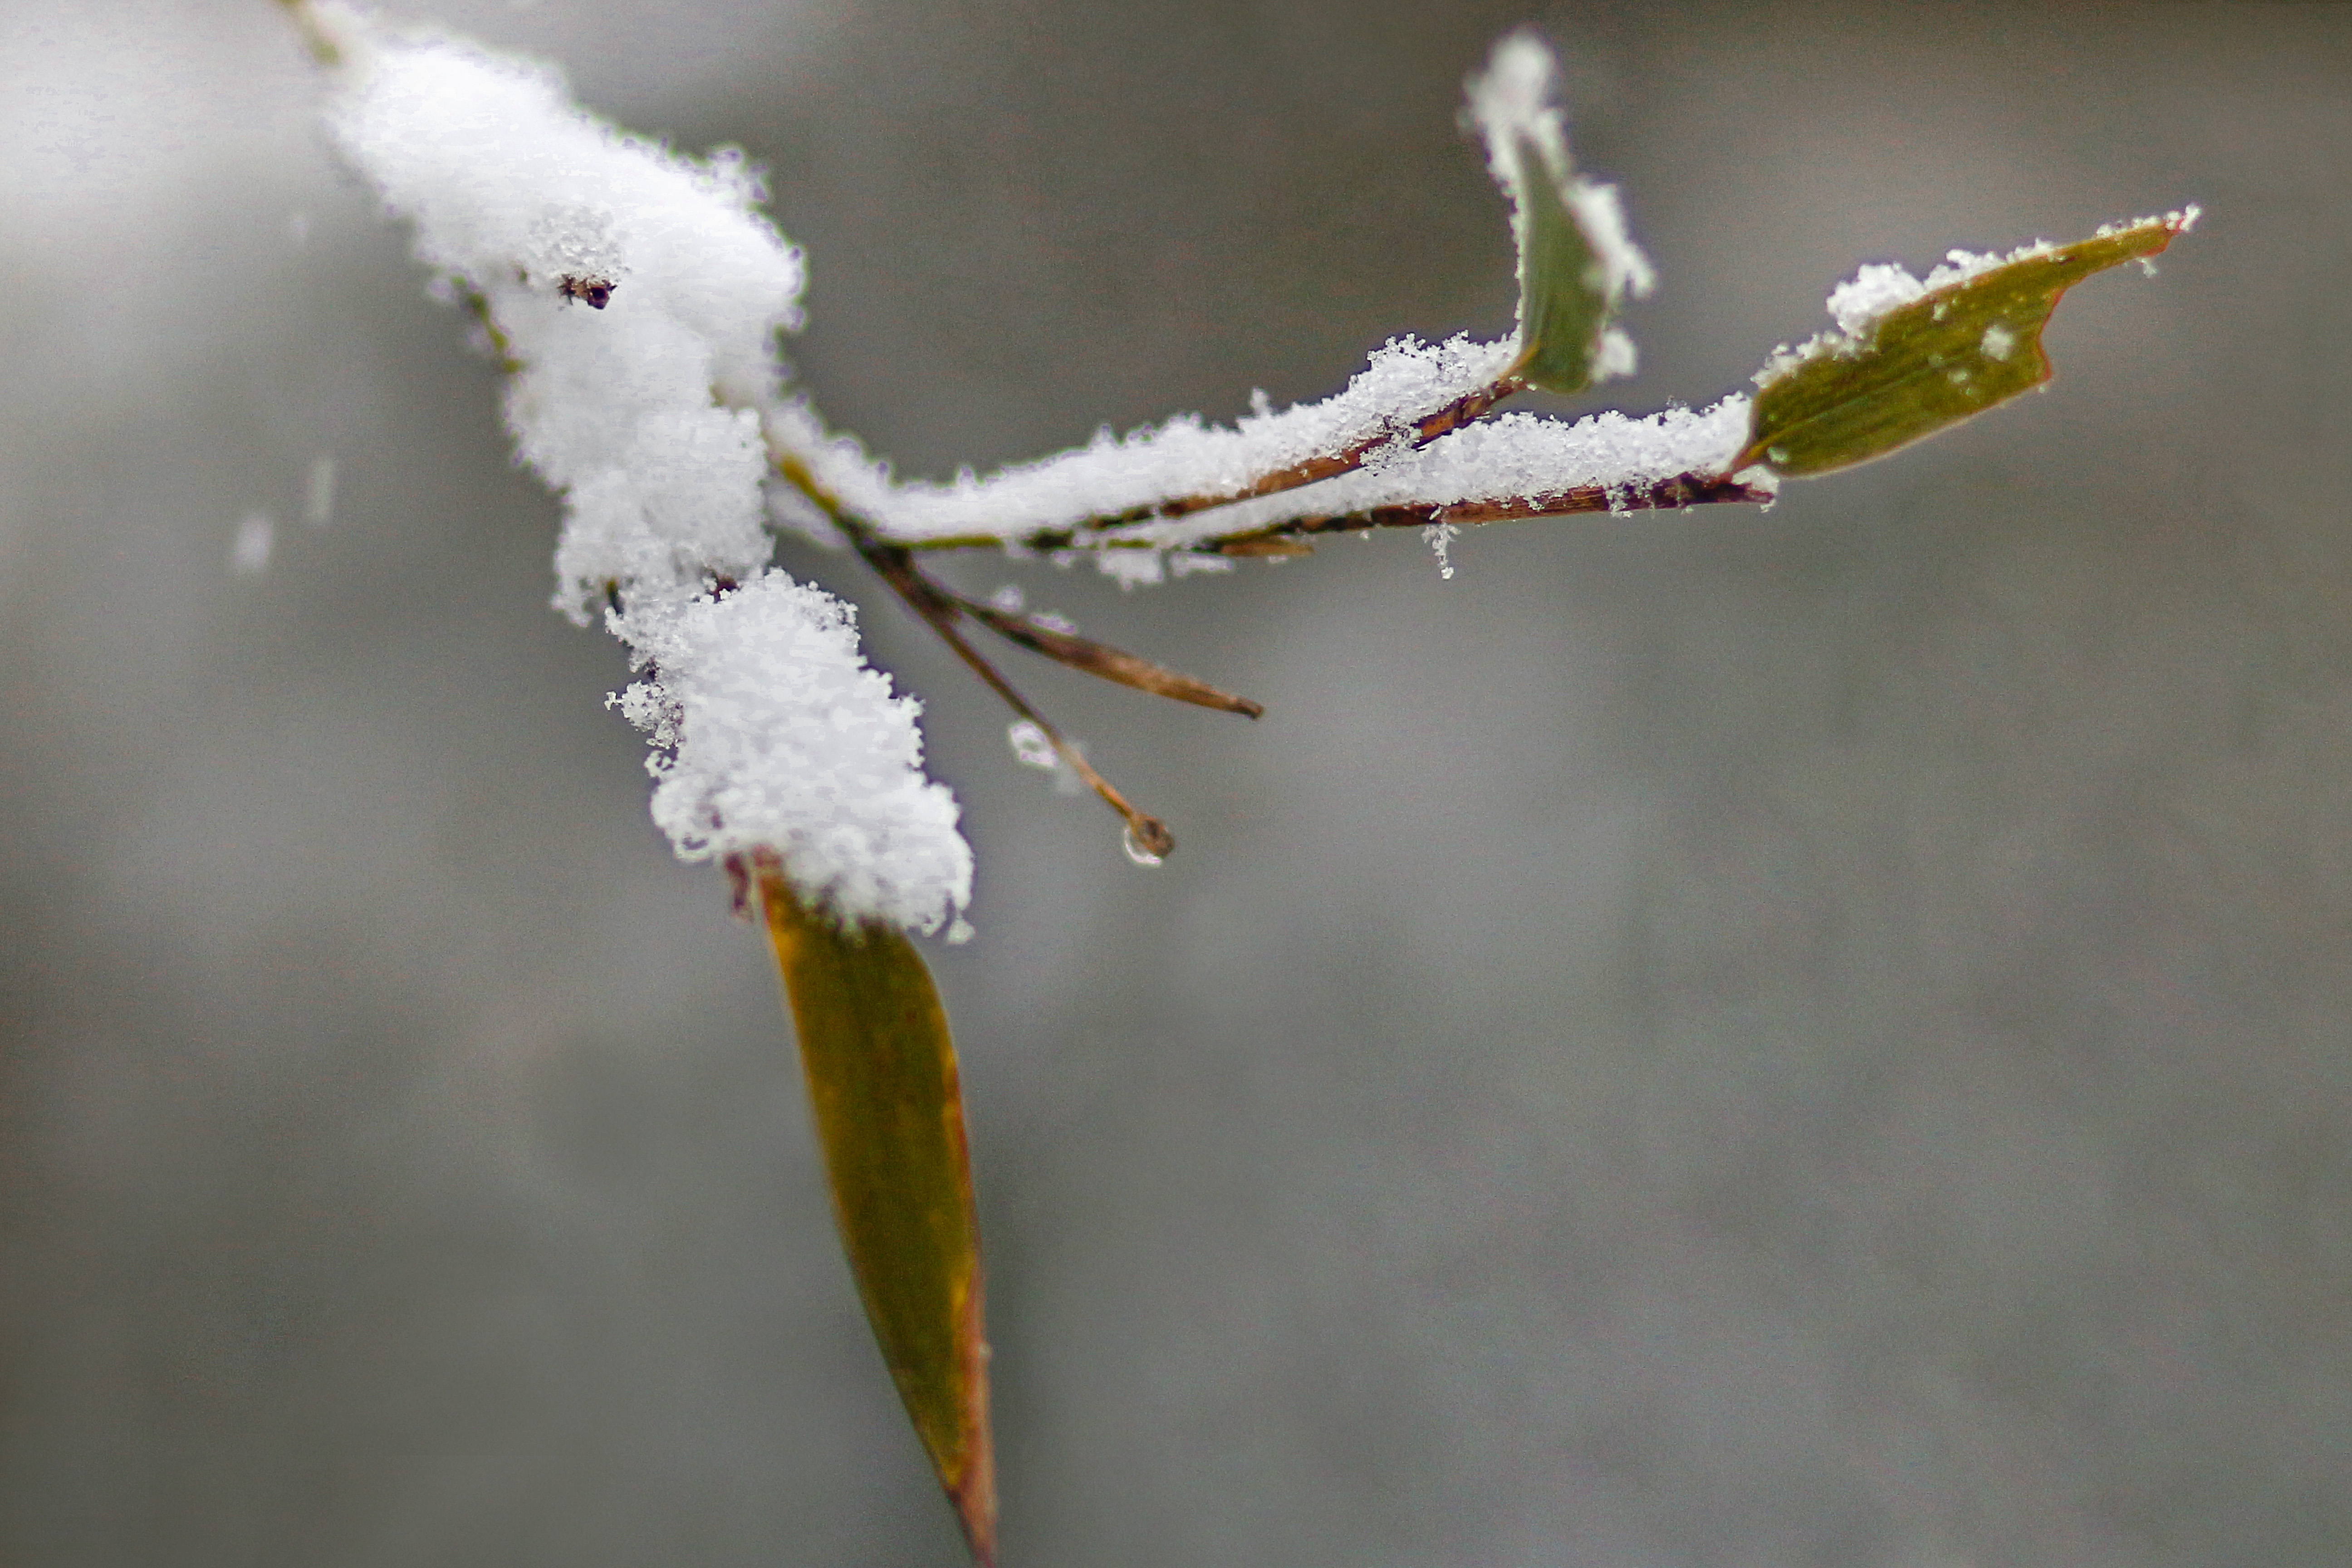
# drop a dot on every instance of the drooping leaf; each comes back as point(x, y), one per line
point(1928, 364)
point(882, 1078)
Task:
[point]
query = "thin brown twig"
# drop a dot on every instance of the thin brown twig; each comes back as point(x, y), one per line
point(1102, 660)
point(1673, 494)
point(1331, 465)
point(940, 611)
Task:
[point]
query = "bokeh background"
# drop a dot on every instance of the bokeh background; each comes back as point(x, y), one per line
point(1815, 1037)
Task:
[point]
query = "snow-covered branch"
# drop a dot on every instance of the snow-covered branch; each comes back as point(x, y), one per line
point(636, 298)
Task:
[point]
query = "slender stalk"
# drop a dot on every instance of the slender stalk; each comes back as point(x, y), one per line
point(940, 610)
point(1102, 660)
point(1682, 490)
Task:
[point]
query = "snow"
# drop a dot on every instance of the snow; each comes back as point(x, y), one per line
point(1031, 747)
point(249, 549)
point(319, 491)
point(1507, 456)
point(773, 732)
point(637, 295)
point(1512, 456)
point(642, 412)
point(1405, 382)
point(1179, 464)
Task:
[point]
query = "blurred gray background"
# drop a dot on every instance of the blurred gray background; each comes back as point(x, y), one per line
point(1806, 1037)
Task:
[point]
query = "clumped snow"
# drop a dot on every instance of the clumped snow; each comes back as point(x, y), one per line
point(1507, 456)
point(773, 732)
point(644, 414)
point(1514, 457)
point(637, 295)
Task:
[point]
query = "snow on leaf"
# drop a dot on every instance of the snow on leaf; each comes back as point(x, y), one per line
point(1576, 263)
point(1911, 357)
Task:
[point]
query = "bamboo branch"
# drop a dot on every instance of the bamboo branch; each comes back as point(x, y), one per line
point(1469, 406)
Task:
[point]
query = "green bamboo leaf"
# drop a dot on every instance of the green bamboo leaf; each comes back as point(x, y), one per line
point(1575, 261)
point(1925, 366)
point(1564, 300)
point(882, 1078)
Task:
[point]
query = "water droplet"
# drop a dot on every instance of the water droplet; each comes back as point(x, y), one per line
point(1031, 749)
point(1132, 842)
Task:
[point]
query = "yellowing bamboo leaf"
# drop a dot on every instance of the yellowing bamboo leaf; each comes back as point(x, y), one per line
point(882, 1079)
point(1926, 366)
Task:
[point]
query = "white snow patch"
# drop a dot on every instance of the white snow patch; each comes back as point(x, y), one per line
point(1405, 382)
point(1510, 458)
point(772, 731)
point(319, 492)
point(645, 413)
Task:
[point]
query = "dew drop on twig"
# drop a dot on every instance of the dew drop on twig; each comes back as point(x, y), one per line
point(1136, 850)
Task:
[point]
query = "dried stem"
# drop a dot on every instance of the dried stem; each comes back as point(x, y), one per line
point(1327, 466)
point(1102, 660)
point(1682, 490)
point(940, 610)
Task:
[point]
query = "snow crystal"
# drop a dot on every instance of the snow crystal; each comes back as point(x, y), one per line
point(319, 492)
point(773, 732)
point(248, 551)
point(1132, 568)
point(1031, 747)
point(1439, 537)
